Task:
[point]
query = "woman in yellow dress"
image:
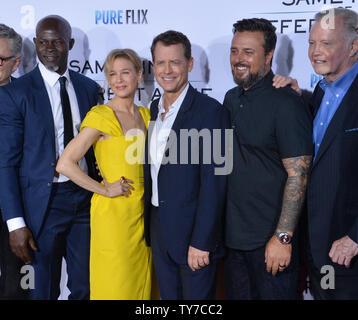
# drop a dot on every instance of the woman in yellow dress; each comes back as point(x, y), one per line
point(120, 261)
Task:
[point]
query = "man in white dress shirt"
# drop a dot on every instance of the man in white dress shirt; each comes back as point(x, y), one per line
point(46, 214)
point(184, 200)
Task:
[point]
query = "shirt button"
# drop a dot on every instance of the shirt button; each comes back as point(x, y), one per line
point(53, 164)
point(49, 184)
point(321, 123)
point(337, 95)
point(317, 144)
point(241, 105)
point(327, 102)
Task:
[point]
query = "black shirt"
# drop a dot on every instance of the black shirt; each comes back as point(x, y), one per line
point(269, 125)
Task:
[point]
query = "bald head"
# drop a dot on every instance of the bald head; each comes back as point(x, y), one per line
point(54, 22)
point(53, 42)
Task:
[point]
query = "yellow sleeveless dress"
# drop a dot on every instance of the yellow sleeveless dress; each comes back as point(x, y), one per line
point(120, 261)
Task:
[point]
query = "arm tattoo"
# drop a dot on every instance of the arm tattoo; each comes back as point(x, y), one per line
point(294, 192)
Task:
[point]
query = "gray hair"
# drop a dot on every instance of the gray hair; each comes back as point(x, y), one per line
point(349, 18)
point(13, 37)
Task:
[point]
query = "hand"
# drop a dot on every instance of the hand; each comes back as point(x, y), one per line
point(197, 259)
point(279, 81)
point(19, 240)
point(343, 250)
point(277, 254)
point(118, 188)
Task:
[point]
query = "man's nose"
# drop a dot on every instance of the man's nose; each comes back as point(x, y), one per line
point(237, 58)
point(50, 46)
point(316, 49)
point(168, 68)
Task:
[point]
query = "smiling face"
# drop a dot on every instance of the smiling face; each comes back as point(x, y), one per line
point(53, 42)
point(248, 61)
point(123, 78)
point(329, 52)
point(171, 68)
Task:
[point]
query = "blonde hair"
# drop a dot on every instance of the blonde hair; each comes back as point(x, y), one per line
point(128, 54)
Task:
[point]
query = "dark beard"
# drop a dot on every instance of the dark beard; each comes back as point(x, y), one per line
point(250, 80)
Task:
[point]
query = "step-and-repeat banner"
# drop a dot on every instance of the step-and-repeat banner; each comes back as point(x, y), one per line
point(100, 26)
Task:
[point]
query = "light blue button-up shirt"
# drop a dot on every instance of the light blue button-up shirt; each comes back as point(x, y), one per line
point(333, 95)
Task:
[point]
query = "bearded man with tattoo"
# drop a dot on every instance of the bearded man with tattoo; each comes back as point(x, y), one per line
point(272, 153)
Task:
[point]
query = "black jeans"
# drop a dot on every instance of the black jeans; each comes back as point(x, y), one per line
point(246, 277)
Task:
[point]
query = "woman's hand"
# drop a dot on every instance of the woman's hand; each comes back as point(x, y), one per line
point(120, 187)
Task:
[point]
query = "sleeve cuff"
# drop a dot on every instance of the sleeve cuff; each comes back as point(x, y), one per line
point(15, 223)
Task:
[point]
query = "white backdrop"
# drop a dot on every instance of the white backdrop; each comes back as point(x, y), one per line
point(99, 26)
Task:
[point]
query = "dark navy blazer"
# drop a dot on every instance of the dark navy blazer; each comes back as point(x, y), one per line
point(27, 144)
point(332, 195)
point(191, 196)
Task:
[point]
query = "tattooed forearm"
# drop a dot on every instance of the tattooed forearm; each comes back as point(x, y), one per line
point(294, 192)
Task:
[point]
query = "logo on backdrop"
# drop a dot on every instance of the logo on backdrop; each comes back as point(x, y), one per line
point(302, 19)
point(313, 2)
point(96, 67)
point(120, 16)
point(150, 91)
point(314, 79)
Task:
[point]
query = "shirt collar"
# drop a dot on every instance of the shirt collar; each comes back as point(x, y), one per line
point(343, 82)
point(177, 103)
point(51, 77)
point(262, 83)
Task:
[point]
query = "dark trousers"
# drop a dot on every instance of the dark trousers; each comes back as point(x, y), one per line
point(346, 287)
point(177, 281)
point(10, 267)
point(246, 277)
point(65, 233)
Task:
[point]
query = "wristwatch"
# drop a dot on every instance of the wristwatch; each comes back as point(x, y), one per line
point(283, 237)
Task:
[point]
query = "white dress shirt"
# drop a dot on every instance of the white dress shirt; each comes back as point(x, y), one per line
point(159, 139)
point(52, 84)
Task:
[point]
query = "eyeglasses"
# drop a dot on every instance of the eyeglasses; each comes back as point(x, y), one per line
point(2, 60)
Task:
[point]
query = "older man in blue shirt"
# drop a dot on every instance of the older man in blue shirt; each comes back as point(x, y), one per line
point(332, 194)
point(334, 92)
